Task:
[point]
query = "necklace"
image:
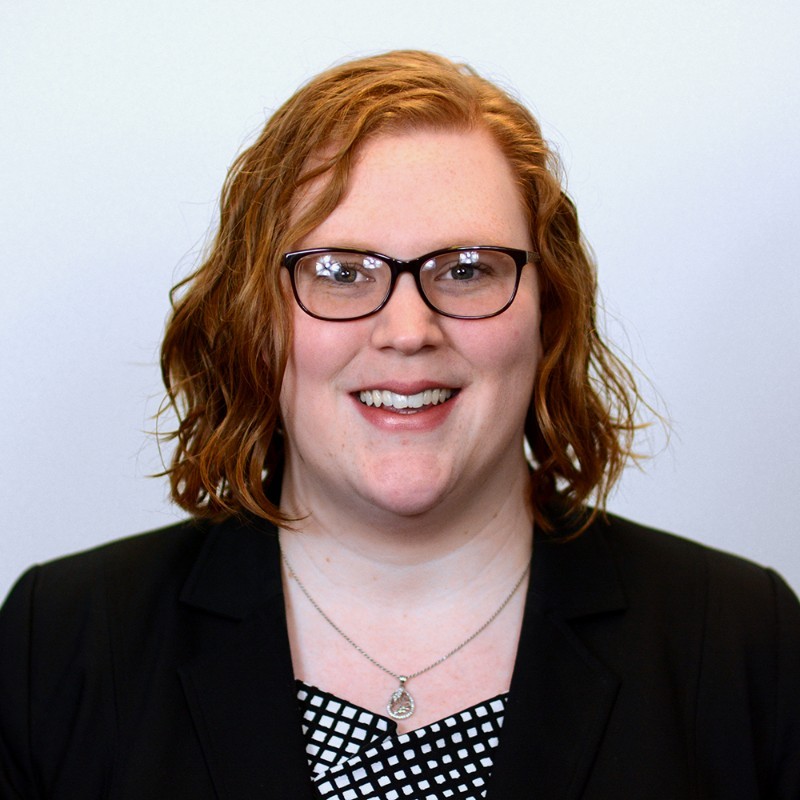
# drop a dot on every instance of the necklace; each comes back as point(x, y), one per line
point(401, 704)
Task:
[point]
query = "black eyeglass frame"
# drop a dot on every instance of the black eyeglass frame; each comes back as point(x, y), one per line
point(414, 266)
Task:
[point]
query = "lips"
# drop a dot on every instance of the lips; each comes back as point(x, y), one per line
point(394, 401)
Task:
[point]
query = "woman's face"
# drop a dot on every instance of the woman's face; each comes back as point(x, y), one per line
point(409, 194)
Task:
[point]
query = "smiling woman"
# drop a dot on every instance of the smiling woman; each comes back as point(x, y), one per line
point(379, 595)
point(464, 453)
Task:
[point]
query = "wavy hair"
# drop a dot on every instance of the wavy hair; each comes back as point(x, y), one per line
point(227, 340)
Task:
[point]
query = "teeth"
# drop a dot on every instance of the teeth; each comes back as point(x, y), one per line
point(383, 397)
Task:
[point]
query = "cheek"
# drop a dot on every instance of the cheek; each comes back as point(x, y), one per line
point(527, 341)
point(300, 366)
point(320, 351)
point(504, 359)
point(514, 345)
point(302, 400)
point(518, 359)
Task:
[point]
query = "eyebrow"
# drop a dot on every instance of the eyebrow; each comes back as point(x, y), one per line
point(472, 242)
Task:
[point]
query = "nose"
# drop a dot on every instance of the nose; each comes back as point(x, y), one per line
point(406, 323)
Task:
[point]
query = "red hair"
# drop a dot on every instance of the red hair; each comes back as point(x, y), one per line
point(227, 342)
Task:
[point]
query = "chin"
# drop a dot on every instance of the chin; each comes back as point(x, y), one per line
point(408, 497)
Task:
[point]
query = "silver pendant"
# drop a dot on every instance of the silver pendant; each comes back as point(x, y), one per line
point(401, 704)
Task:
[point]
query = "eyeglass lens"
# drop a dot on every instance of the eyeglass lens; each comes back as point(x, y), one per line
point(463, 283)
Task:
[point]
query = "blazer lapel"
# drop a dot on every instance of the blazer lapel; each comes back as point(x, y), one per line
point(561, 696)
point(240, 688)
point(241, 692)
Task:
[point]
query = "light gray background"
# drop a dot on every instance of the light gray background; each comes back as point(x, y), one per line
point(678, 123)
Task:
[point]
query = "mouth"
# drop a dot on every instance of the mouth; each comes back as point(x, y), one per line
point(405, 403)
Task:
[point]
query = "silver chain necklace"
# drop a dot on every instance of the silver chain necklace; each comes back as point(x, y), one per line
point(401, 704)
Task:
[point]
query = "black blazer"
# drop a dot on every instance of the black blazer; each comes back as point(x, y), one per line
point(159, 667)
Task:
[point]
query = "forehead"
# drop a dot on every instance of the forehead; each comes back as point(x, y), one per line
point(424, 189)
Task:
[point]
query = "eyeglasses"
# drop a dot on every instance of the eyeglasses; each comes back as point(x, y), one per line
point(460, 282)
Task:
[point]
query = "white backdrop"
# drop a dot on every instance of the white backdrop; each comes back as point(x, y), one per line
point(678, 123)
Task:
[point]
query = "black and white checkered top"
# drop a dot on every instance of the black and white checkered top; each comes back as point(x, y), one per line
point(355, 754)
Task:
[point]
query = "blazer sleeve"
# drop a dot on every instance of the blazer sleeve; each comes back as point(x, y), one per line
point(57, 711)
point(787, 685)
point(16, 781)
point(747, 734)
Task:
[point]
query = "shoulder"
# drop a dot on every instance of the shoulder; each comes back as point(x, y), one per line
point(87, 641)
point(57, 663)
point(729, 629)
point(141, 572)
point(701, 641)
point(162, 550)
point(69, 587)
point(68, 604)
point(727, 626)
point(645, 564)
point(648, 543)
point(654, 562)
point(670, 594)
point(748, 618)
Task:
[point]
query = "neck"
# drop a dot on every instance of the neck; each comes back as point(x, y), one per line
point(398, 561)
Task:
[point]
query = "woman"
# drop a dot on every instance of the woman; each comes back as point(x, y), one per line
point(397, 297)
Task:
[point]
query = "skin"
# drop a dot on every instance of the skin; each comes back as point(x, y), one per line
point(410, 194)
point(418, 516)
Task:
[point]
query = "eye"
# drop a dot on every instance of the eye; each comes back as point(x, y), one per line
point(468, 267)
point(344, 269)
point(463, 272)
